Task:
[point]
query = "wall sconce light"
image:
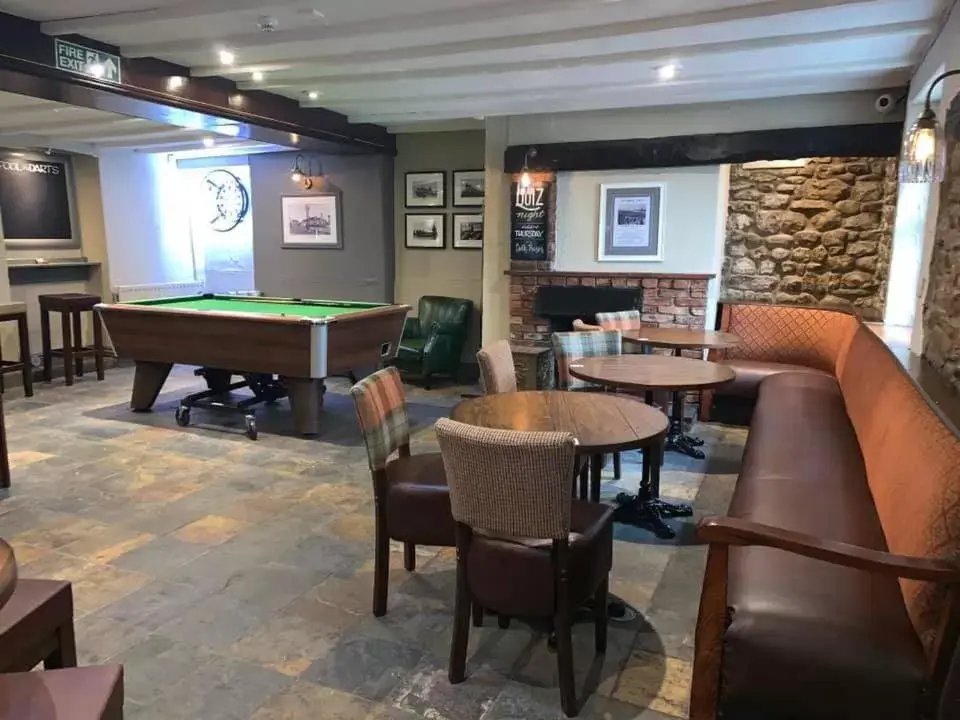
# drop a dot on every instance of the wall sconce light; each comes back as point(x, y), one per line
point(525, 180)
point(924, 155)
point(303, 173)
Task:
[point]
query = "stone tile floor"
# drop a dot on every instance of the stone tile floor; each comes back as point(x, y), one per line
point(233, 578)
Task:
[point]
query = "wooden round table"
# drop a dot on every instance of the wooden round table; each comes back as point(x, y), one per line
point(601, 422)
point(8, 573)
point(645, 373)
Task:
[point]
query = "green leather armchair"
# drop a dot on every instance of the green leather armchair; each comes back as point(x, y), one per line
point(433, 341)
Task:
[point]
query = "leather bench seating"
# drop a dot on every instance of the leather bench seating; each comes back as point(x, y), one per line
point(849, 493)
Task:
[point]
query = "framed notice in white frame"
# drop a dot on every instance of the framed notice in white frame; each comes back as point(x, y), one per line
point(311, 221)
point(631, 224)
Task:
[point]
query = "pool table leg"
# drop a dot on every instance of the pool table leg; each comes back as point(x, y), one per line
point(148, 379)
point(305, 402)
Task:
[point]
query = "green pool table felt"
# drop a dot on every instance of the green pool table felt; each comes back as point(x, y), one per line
point(265, 306)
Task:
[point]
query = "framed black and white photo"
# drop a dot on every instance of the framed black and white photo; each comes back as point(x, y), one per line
point(426, 232)
point(311, 221)
point(630, 222)
point(468, 188)
point(426, 189)
point(468, 232)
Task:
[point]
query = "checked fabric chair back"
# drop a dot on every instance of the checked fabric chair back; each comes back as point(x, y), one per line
point(382, 411)
point(571, 346)
point(622, 320)
point(497, 371)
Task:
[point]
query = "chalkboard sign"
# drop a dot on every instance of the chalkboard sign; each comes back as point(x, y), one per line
point(33, 200)
point(529, 220)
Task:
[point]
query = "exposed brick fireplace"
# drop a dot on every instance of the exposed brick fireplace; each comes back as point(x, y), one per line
point(669, 300)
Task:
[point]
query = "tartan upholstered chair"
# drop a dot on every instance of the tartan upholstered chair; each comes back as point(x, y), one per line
point(568, 347)
point(411, 500)
point(497, 371)
point(622, 320)
point(525, 547)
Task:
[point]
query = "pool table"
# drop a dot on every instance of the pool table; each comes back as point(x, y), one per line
point(299, 341)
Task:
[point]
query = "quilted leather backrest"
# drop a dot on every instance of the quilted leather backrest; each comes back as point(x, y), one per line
point(450, 312)
point(813, 337)
point(913, 468)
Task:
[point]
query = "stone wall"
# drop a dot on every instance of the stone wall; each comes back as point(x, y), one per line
point(813, 235)
point(941, 308)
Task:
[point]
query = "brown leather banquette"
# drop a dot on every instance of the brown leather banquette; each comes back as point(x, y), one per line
point(831, 585)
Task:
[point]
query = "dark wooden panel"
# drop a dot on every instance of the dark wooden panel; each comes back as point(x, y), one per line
point(244, 344)
point(26, 55)
point(871, 140)
point(354, 340)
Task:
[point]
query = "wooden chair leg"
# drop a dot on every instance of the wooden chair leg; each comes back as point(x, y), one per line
point(600, 616)
point(24, 333)
point(65, 654)
point(461, 628)
point(78, 341)
point(67, 348)
point(409, 556)
point(568, 690)
point(47, 345)
point(616, 466)
point(381, 566)
point(98, 345)
point(596, 470)
point(477, 614)
point(584, 480)
point(503, 622)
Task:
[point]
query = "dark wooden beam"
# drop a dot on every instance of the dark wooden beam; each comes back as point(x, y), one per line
point(873, 140)
point(26, 68)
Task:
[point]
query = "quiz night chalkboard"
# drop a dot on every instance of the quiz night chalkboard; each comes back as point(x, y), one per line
point(529, 220)
point(33, 199)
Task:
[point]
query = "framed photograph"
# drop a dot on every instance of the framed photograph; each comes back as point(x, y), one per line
point(311, 221)
point(468, 188)
point(630, 222)
point(426, 232)
point(468, 232)
point(426, 189)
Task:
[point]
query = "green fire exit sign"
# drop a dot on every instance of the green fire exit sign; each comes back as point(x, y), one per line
point(87, 61)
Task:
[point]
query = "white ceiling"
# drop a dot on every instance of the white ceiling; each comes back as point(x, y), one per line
point(395, 62)
point(29, 122)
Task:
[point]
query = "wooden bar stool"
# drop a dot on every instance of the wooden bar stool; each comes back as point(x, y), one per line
point(70, 306)
point(17, 312)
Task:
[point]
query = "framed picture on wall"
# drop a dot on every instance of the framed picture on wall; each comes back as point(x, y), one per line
point(311, 221)
point(468, 232)
point(426, 232)
point(630, 222)
point(468, 188)
point(426, 189)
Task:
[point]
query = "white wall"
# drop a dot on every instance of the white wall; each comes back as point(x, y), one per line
point(146, 218)
point(691, 228)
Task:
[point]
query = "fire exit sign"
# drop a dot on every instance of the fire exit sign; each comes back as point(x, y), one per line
point(87, 61)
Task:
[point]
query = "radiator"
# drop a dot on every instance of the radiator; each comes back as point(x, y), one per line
point(154, 291)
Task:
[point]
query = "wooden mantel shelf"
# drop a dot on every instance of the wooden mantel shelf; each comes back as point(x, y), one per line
point(592, 273)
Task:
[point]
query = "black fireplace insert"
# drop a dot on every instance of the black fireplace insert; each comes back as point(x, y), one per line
point(560, 305)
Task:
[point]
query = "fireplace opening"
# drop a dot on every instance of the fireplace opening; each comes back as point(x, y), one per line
point(560, 305)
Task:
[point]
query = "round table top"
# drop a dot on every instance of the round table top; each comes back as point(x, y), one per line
point(681, 338)
point(8, 573)
point(601, 422)
point(650, 372)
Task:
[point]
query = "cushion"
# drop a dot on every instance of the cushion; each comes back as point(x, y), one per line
point(797, 623)
point(87, 693)
point(515, 577)
point(913, 465)
point(750, 373)
point(418, 501)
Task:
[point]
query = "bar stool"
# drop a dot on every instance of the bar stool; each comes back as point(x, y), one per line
point(17, 312)
point(70, 306)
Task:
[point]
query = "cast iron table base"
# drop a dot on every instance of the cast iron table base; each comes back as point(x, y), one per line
point(645, 509)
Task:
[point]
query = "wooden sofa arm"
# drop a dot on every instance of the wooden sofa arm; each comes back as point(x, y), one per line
point(736, 531)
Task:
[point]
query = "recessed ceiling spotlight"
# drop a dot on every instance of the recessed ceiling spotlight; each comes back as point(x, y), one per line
point(16, 154)
point(227, 57)
point(209, 142)
point(667, 72)
point(256, 76)
point(313, 94)
point(175, 82)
